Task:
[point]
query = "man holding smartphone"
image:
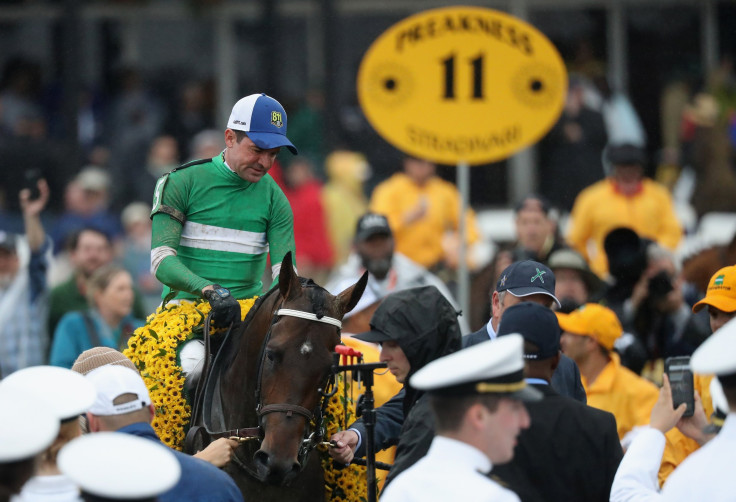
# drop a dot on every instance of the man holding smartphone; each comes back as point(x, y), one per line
point(706, 474)
point(720, 299)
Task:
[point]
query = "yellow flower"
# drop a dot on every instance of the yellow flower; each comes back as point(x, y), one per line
point(348, 484)
point(152, 348)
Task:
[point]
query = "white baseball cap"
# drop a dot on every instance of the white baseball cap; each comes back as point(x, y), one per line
point(112, 381)
point(119, 466)
point(66, 393)
point(263, 119)
point(27, 426)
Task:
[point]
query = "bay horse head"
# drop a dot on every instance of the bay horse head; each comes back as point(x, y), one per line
point(293, 370)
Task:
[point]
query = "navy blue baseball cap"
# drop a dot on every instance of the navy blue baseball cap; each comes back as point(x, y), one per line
point(263, 119)
point(528, 277)
point(536, 324)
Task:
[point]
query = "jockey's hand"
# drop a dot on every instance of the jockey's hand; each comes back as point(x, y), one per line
point(225, 308)
point(347, 442)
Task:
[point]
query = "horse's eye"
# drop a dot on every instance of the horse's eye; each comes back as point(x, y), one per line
point(271, 355)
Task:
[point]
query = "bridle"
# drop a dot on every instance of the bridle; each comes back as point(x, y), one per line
point(314, 431)
point(312, 435)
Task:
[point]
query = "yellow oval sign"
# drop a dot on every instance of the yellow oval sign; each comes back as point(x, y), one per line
point(462, 84)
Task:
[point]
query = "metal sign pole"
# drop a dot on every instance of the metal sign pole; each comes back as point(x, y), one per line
point(463, 280)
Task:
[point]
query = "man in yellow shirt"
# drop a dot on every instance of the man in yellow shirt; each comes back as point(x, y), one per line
point(625, 199)
point(421, 208)
point(720, 298)
point(588, 335)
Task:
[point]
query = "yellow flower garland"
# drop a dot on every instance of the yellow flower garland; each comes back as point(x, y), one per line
point(349, 483)
point(153, 349)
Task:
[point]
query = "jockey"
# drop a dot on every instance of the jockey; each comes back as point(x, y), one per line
point(214, 220)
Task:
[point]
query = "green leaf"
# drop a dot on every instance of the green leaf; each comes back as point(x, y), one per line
point(153, 334)
point(155, 387)
point(161, 353)
point(172, 294)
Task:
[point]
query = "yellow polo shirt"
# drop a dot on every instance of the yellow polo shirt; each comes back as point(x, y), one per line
point(600, 208)
point(624, 393)
point(421, 240)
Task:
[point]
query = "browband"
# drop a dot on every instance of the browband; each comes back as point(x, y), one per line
point(309, 316)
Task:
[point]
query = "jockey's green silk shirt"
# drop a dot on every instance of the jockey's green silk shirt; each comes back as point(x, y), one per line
point(230, 226)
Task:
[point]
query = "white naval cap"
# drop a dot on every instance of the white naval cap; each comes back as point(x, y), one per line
point(119, 466)
point(66, 393)
point(717, 355)
point(27, 427)
point(111, 382)
point(490, 367)
point(718, 398)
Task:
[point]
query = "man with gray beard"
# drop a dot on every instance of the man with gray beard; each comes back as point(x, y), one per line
point(23, 288)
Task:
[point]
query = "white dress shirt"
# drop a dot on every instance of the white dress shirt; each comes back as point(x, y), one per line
point(707, 474)
point(636, 477)
point(451, 470)
point(55, 488)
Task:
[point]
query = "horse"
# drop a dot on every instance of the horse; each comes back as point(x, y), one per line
point(273, 374)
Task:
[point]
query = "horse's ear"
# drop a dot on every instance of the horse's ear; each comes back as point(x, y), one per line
point(349, 298)
point(288, 280)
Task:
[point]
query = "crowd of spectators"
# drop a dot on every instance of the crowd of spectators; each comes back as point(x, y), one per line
point(140, 130)
point(604, 220)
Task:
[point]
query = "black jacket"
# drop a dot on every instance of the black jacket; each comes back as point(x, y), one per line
point(565, 380)
point(425, 326)
point(569, 453)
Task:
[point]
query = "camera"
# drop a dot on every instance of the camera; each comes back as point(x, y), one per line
point(627, 255)
point(660, 285)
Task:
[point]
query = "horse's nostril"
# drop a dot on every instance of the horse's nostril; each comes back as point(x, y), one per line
point(295, 468)
point(262, 458)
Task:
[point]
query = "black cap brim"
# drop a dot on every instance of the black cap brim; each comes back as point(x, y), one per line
point(365, 235)
point(373, 336)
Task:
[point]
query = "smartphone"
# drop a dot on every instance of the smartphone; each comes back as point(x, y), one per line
point(30, 181)
point(681, 381)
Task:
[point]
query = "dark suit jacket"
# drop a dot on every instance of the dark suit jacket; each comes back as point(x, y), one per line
point(565, 380)
point(569, 453)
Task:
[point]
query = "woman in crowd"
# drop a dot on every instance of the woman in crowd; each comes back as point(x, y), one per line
point(108, 322)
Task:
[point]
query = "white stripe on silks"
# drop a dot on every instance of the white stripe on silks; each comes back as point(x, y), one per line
point(197, 235)
point(276, 270)
point(158, 254)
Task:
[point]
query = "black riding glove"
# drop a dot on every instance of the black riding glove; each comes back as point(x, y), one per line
point(225, 308)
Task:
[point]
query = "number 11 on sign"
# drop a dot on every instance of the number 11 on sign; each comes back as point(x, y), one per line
point(476, 65)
